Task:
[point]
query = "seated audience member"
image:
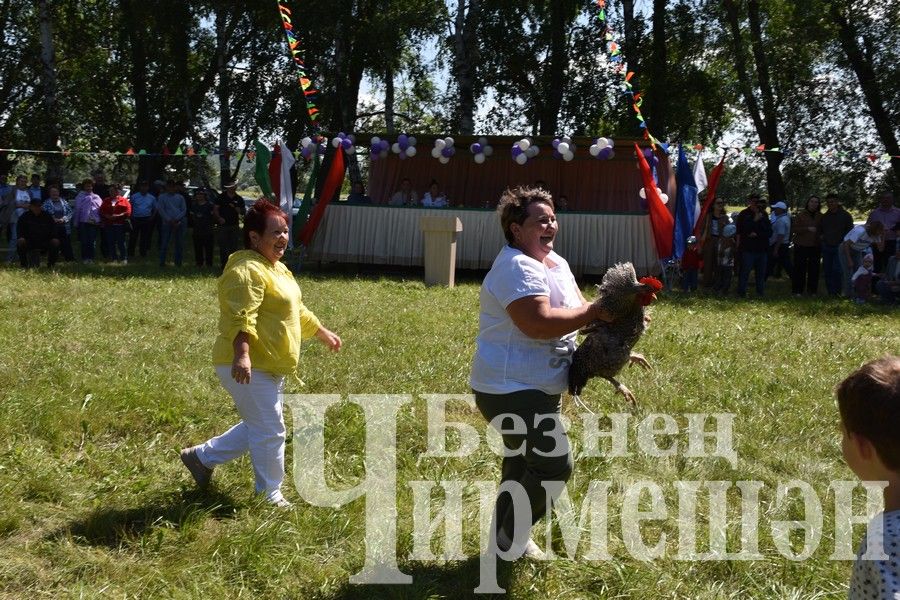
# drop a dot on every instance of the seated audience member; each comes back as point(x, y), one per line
point(115, 215)
point(61, 212)
point(204, 228)
point(434, 198)
point(562, 203)
point(405, 196)
point(858, 242)
point(888, 287)
point(862, 280)
point(358, 194)
point(37, 233)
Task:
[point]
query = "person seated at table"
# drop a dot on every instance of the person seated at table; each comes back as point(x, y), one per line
point(358, 194)
point(562, 203)
point(405, 196)
point(434, 198)
point(37, 233)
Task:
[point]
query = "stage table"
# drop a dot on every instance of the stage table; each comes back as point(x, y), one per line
point(386, 235)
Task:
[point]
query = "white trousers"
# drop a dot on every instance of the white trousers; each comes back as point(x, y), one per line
point(261, 430)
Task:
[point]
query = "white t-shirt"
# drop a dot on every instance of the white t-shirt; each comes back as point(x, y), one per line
point(878, 579)
point(859, 239)
point(506, 360)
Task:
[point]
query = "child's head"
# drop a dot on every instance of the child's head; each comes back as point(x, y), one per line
point(869, 403)
point(868, 261)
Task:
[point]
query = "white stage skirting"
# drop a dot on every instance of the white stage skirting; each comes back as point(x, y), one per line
point(381, 235)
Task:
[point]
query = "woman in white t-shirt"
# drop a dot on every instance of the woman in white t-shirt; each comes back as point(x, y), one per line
point(531, 311)
point(434, 198)
point(857, 243)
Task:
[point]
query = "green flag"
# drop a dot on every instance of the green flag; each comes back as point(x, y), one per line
point(263, 156)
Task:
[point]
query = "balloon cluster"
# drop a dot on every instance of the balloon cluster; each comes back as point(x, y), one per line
point(564, 148)
point(343, 141)
point(643, 195)
point(443, 149)
point(310, 146)
point(602, 148)
point(405, 146)
point(523, 150)
point(378, 148)
point(481, 149)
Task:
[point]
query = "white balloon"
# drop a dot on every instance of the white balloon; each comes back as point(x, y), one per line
point(436, 152)
point(664, 198)
point(568, 156)
point(602, 143)
point(562, 148)
point(612, 155)
point(523, 145)
point(375, 140)
point(444, 160)
point(336, 142)
point(533, 151)
point(411, 151)
point(610, 142)
point(411, 141)
point(483, 141)
point(487, 150)
point(395, 148)
point(521, 159)
point(643, 193)
point(439, 144)
point(448, 141)
point(594, 150)
point(306, 141)
point(659, 191)
point(566, 139)
point(479, 158)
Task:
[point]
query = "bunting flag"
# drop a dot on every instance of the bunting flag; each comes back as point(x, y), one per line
point(710, 195)
point(310, 93)
point(661, 221)
point(332, 185)
point(685, 201)
point(262, 169)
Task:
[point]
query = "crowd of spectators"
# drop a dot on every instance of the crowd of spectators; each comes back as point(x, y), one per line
point(856, 261)
point(39, 222)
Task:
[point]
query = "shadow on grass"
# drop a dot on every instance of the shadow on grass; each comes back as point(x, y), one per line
point(456, 579)
point(113, 527)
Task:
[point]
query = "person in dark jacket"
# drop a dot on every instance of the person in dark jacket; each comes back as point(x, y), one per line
point(754, 230)
point(37, 233)
point(204, 228)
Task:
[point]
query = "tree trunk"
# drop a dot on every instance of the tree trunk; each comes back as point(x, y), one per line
point(765, 122)
point(224, 97)
point(865, 73)
point(51, 105)
point(557, 65)
point(465, 58)
point(632, 55)
point(149, 167)
point(657, 86)
point(389, 126)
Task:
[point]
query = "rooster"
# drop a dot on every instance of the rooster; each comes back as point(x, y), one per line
point(607, 346)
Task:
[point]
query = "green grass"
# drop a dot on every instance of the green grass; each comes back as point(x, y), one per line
point(107, 374)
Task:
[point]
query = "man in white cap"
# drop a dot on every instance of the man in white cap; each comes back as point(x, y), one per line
point(779, 242)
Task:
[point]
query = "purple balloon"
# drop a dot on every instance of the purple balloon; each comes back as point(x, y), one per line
point(452, 150)
point(648, 153)
point(447, 151)
point(402, 139)
point(384, 144)
point(342, 135)
point(555, 143)
point(475, 148)
point(346, 143)
point(403, 156)
point(605, 154)
point(516, 151)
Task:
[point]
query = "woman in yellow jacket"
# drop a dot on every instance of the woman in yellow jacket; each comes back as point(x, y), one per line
point(261, 322)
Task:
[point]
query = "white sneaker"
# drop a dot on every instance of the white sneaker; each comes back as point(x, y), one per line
point(531, 549)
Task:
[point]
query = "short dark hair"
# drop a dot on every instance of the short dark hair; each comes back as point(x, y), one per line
point(87, 181)
point(513, 207)
point(257, 217)
point(869, 403)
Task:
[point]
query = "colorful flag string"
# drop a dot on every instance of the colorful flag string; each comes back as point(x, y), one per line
point(310, 93)
point(615, 56)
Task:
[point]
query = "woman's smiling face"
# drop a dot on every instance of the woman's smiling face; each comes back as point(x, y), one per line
point(273, 242)
point(535, 236)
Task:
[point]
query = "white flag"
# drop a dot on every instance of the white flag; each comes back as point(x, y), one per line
point(702, 183)
point(286, 201)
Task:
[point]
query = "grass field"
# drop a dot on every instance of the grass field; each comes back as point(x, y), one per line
point(107, 374)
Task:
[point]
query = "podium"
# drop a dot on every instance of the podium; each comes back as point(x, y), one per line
point(439, 234)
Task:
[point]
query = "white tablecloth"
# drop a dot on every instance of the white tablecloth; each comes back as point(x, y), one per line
point(390, 236)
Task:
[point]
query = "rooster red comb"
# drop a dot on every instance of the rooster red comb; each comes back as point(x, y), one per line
point(653, 282)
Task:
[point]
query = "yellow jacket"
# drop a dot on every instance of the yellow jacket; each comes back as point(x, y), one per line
point(263, 300)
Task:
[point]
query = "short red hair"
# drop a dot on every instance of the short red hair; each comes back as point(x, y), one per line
point(257, 218)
